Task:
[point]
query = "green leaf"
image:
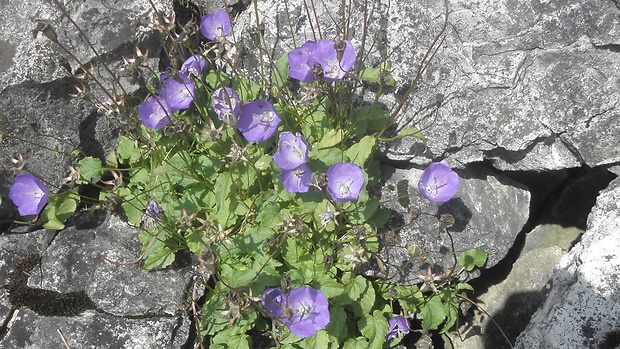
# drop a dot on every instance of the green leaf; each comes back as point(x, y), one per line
point(374, 327)
point(337, 326)
point(366, 301)
point(356, 343)
point(217, 78)
point(280, 73)
point(330, 287)
point(360, 151)
point(452, 315)
point(128, 150)
point(374, 75)
point(319, 341)
point(156, 253)
point(473, 258)
point(59, 208)
point(410, 131)
point(111, 160)
point(330, 139)
point(246, 89)
point(90, 167)
point(432, 313)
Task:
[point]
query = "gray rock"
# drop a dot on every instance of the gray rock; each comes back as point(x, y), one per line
point(94, 330)
point(583, 303)
point(12, 248)
point(489, 222)
point(525, 84)
point(38, 118)
point(128, 307)
point(509, 304)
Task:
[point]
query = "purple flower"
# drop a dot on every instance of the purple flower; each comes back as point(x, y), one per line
point(438, 182)
point(292, 151)
point(326, 54)
point(215, 25)
point(305, 311)
point(336, 58)
point(297, 180)
point(258, 120)
point(272, 300)
point(226, 105)
point(300, 62)
point(29, 194)
point(178, 90)
point(194, 65)
point(154, 112)
point(345, 181)
point(396, 326)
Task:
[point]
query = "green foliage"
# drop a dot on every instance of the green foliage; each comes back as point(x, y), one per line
point(473, 258)
point(199, 186)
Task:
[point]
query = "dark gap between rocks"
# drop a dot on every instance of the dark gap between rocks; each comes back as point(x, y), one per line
point(563, 197)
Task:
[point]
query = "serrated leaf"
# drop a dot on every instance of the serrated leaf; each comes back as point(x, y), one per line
point(374, 327)
point(90, 167)
point(111, 160)
point(319, 341)
point(330, 287)
point(432, 313)
point(360, 151)
point(330, 139)
point(128, 150)
point(356, 343)
point(59, 208)
point(451, 314)
point(337, 326)
point(473, 258)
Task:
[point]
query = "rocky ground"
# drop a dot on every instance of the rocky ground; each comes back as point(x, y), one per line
point(520, 98)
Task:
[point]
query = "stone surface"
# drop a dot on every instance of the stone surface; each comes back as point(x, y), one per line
point(38, 118)
point(94, 330)
point(132, 309)
point(509, 304)
point(489, 222)
point(526, 85)
point(583, 304)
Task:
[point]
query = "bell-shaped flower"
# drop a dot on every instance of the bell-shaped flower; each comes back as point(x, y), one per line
point(396, 326)
point(438, 182)
point(273, 301)
point(216, 25)
point(227, 105)
point(178, 90)
point(29, 194)
point(258, 120)
point(305, 311)
point(335, 59)
point(345, 181)
point(292, 151)
point(300, 62)
point(297, 180)
point(194, 65)
point(154, 112)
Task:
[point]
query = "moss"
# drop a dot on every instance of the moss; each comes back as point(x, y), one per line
point(41, 301)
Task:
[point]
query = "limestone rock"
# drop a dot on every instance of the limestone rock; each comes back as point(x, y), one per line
point(583, 303)
point(528, 85)
point(489, 222)
point(124, 306)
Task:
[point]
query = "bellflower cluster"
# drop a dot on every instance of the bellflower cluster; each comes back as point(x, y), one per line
point(227, 105)
point(258, 120)
point(345, 181)
point(438, 182)
point(216, 25)
point(305, 311)
point(29, 194)
point(396, 326)
point(333, 58)
point(291, 157)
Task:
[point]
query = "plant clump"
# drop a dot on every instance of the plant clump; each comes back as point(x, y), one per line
point(267, 184)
